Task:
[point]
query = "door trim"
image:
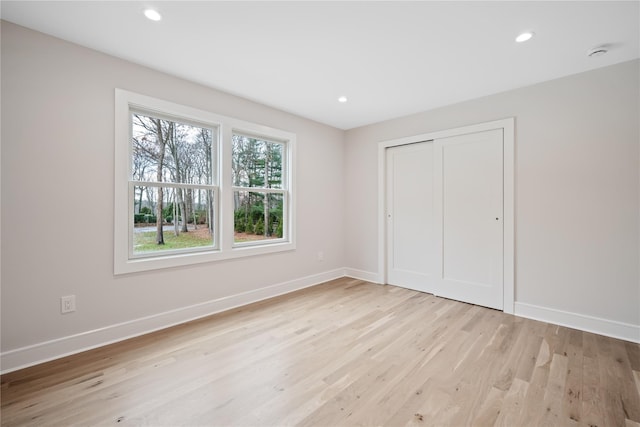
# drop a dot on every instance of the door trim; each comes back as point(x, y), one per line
point(508, 127)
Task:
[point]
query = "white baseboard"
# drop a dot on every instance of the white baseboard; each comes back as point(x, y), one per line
point(610, 328)
point(49, 350)
point(362, 275)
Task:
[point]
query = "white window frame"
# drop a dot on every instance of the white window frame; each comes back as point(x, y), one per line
point(265, 190)
point(225, 247)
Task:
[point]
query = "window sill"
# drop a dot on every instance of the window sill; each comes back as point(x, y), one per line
point(137, 265)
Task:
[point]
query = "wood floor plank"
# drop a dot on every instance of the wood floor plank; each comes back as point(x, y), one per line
point(629, 423)
point(491, 408)
point(553, 396)
point(633, 353)
point(629, 397)
point(513, 403)
point(610, 387)
point(571, 403)
point(591, 402)
point(343, 353)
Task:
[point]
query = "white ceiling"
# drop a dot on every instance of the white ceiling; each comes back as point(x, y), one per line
point(389, 58)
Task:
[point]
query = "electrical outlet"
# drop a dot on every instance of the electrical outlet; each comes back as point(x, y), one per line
point(320, 256)
point(67, 304)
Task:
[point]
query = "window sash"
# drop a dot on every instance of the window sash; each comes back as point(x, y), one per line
point(286, 147)
point(286, 199)
point(261, 190)
point(214, 127)
point(172, 185)
point(215, 246)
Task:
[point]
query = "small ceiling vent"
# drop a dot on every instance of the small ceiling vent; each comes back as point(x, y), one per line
point(597, 51)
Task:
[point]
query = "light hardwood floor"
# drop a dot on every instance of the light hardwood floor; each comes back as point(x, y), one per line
point(345, 352)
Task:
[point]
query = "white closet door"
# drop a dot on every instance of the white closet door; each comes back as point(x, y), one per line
point(445, 203)
point(471, 208)
point(411, 258)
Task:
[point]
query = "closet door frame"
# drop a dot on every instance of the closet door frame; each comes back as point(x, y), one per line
point(508, 127)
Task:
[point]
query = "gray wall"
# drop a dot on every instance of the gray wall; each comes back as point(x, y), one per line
point(577, 198)
point(577, 189)
point(57, 195)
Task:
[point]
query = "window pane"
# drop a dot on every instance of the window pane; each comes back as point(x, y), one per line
point(167, 151)
point(258, 216)
point(186, 219)
point(257, 163)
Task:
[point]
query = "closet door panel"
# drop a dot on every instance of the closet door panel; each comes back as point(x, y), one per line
point(410, 218)
point(472, 209)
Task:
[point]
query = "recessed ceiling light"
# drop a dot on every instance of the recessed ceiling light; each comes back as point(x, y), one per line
point(342, 99)
point(524, 37)
point(152, 14)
